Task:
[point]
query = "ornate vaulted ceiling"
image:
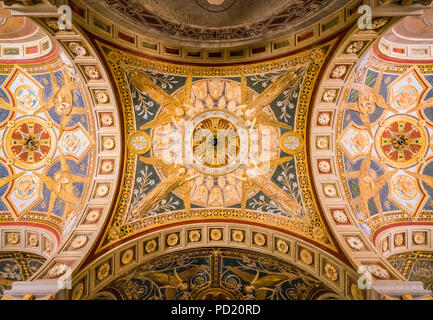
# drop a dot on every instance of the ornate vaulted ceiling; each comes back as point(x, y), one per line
point(166, 179)
point(262, 155)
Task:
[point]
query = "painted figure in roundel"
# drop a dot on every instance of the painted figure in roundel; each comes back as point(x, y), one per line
point(405, 187)
point(71, 143)
point(360, 142)
point(26, 98)
point(406, 97)
point(26, 187)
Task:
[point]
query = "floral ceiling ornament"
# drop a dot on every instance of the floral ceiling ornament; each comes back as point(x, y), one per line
point(215, 234)
point(340, 216)
point(127, 256)
point(331, 272)
point(77, 49)
point(103, 271)
point(150, 246)
point(355, 243)
point(282, 246)
point(79, 242)
point(57, 270)
point(78, 291)
point(379, 272)
point(306, 256)
point(13, 238)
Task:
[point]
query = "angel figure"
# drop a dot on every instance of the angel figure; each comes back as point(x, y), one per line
point(423, 105)
point(63, 100)
point(261, 285)
point(4, 181)
point(368, 98)
point(179, 176)
point(9, 107)
point(175, 109)
point(252, 179)
point(62, 186)
point(171, 283)
point(426, 179)
point(253, 109)
point(369, 185)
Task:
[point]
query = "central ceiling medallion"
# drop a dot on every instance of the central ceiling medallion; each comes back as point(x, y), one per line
point(401, 141)
point(216, 142)
point(31, 143)
point(215, 5)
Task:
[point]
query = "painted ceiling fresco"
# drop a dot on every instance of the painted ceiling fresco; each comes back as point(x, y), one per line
point(215, 179)
point(216, 274)
point(47, 144)
point(264, 108)
point(384, 131)
point(17, 266)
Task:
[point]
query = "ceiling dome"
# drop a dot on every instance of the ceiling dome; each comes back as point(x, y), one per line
point(21, 38)
point(211, 13)
point(215, 22)
point(410, 39)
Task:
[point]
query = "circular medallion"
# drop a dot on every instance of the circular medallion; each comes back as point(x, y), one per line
point(259, 239)
point(379, 272)
point(150, 246)
point(79, 242)
point(127, 256)
point(360, 142)
point(78, 291)
point(216, 142)
point(339, 216)
point(324, 167)
point(331, 272)
point(282, 246)
point(306, 257)
point(355, 243)
point(139, 143)
point(71, 142)
point(405, 97)
point(194, 236)
point(291, 142)
point(172, 239)
point(30, 143)
point(103, 271)
point(401, 141)
point(57, 271)
point(215, 234)
point(26, 187)
point(26, 98)
point(419, 238)
point(405, 187)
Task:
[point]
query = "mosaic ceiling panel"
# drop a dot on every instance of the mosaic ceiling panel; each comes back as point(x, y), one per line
point(384, 131)
point(17, 266)
point(48, 144)
point(174, 172)
point(216, 274)
point(415, 266)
